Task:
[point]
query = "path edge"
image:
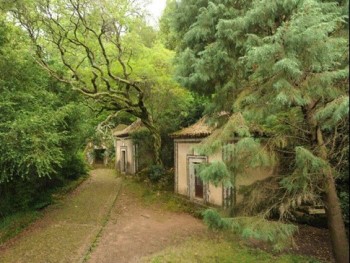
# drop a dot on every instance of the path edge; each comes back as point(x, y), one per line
point(93, 245)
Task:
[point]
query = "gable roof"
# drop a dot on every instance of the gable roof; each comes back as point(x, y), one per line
point(135, 126)
point(119, 128)
point(198, 130)
point(203, 129)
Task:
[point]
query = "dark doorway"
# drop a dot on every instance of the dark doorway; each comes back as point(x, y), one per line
point(199, 187)
point(123, 161)
point(99, 156)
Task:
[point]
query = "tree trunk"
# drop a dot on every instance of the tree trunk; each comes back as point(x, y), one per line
point(157, 140)
point(157, 144)
point(333, 210)
point(335, 221)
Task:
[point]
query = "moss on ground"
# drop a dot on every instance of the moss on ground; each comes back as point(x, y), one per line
point(150, 195)
point(208, 250)
point(215, 247)
point(68, 228)
point(12, 225)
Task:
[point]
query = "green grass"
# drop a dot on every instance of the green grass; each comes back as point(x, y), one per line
point(12, 225)
point(214, 247)
point(68, 228)
point(220, 250)
point(150, 195)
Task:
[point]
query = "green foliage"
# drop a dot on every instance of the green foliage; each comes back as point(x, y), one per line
point(167, 101)
point(144, 141)
point(73, 166)
point(221, 249)
point(166, 34)
point(214, 220)
point(234, 126)
point(276, 233)
point(156, 172)
point(334, 112)
point(42, 129)
point(215, 172)
point(308, 162)
point(14, 224)
point(301, 187)
point(239, 149)
point(157, 177)
point(282, 67)
point(260, 42)
point(160, 195)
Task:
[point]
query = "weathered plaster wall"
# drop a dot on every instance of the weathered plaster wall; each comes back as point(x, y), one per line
point(215, 193)
point(184, 148)
point(128, 145)
point(251, 176)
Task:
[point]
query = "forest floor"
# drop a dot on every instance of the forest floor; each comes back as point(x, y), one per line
point(110, 220)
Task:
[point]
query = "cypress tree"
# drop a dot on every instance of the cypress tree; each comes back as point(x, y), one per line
point(283, 66)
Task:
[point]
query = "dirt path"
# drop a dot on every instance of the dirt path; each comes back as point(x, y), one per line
point(135, 231)
point(67, 230)
point(103, 222)
point(100, 207)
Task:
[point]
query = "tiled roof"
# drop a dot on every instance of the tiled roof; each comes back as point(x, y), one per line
point(197, 130)
point(136, 125)
point(119, 128)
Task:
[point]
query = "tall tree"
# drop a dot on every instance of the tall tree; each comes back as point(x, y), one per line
point(43, 126)
point(94, 43)
point(284, 66)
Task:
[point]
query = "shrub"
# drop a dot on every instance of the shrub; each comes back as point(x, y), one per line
point(158, 176)
point(156, 172)
point(73, 166)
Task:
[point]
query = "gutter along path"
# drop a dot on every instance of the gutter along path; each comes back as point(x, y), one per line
point(68, 230)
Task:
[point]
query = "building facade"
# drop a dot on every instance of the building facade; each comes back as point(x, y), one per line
point(187, 159)
point(126, 151)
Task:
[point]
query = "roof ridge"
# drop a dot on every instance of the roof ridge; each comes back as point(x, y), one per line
point(198, 129)
point(133, 127)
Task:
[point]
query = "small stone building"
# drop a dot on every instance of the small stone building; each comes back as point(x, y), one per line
point(189, 184)
point(126, 151)
point(96, 154)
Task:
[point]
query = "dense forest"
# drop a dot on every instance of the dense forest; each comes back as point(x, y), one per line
point(272, 73)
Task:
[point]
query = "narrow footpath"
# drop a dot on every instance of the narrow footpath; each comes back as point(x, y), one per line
point(105, 221)
point(67, 230)
point(135, 231)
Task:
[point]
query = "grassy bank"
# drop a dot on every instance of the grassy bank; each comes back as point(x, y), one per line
point(213, 247)
point(67, 229)
point(220, 249)
point(14, 224)
point(151, 195)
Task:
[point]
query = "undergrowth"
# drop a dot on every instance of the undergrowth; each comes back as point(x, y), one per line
point(220, 249)
point(12, 225)
point(218, 246)
point(154, 195)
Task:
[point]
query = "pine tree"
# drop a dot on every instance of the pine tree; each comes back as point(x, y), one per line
point(283, 65)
